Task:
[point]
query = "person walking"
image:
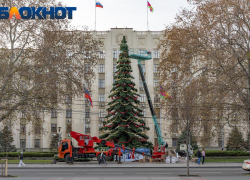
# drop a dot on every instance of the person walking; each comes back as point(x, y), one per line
point(199, 156)
point(203, 155)
point(21, 159)
point(102, 158)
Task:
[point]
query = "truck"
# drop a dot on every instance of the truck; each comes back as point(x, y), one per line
point(86, 148)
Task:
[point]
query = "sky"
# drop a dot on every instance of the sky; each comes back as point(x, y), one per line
point(125, 13)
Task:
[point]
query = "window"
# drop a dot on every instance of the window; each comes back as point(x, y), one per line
point(37, 128)
point(22, 114)
point(102, 54)
point(101, 97)
point(174, 142)
point(86, 68)
point(156, 83)
point(22, 143)
point(114, 68)
point(87, 54)
point(22, 128)
point(53, 113)
point(140, 83)
point(141, 52)
point(157, 112)
point(38, 114)
point(87, 113)
point(100, 125)
point(37, 143)
point(175, 127)
point(68, 113)
point(143, 67)
point(87, 128)
point(142, 97)
point(156, 98)
point(156, 53)
point(101, 112)
point(144, 112)
point(53, 128)
point(68, 128)
point(156, 66)
point(68, 99)
point(114, 54)
point(120, 52)
point(101, 68)
point(101, 83)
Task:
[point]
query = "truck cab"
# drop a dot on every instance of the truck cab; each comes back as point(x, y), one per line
point(65, 149)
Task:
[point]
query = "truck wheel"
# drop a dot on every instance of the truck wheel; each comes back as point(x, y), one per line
point(99, 157)
point(68, 159)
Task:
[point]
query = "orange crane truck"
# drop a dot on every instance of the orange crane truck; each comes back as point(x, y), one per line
point(86, 150)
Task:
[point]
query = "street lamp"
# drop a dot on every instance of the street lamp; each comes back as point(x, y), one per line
point(29, 140)
point(59, 129)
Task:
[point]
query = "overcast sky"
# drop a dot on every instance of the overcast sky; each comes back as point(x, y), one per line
point(125, 13)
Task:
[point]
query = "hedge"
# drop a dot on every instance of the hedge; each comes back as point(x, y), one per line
point(28, 154)
point(76, 160)
point(213, 153)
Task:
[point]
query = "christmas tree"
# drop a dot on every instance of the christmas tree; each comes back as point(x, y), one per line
point(124, 124)
point(6, 139)
point(235, 140)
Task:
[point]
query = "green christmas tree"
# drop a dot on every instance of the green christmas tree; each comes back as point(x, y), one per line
point(183, 137)
point(6, 138)
point(124, 124)
point(235, 140)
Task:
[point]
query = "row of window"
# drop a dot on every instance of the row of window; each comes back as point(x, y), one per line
point(23, 129)
point(102, 68)
point(37, 143)
point(38, 130)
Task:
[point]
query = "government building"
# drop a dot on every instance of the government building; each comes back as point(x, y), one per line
point(79, 116)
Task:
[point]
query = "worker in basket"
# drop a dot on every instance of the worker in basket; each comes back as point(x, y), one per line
point(102, 158)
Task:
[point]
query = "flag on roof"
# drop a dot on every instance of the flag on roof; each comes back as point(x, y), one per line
point(150, 7)
point(164, 94)
point(87, 95)
point(98, 4)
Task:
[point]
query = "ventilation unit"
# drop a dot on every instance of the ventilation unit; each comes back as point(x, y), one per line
point(87, 119)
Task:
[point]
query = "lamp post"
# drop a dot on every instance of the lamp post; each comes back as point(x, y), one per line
point(59, 129)
point(29, 140)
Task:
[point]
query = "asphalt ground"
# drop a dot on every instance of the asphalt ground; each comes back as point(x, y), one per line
point(135, 173)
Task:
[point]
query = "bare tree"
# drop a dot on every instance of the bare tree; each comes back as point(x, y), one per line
point(42, 63)
point(212, 42)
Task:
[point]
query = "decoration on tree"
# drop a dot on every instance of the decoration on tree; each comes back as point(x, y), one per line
point(124, 124)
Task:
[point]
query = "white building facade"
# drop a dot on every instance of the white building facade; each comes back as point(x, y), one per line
point(81, 117)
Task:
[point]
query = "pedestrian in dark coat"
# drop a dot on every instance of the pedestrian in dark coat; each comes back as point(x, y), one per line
point(199, 156)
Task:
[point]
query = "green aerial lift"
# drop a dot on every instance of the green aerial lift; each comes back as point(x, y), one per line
point(143, 55)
